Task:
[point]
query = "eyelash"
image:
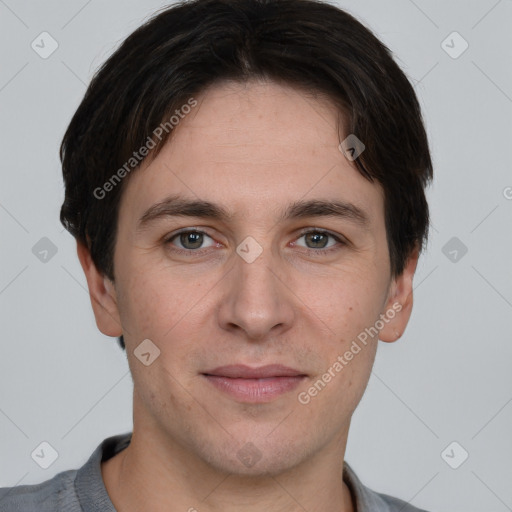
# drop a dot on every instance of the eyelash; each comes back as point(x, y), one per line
point(316, 252)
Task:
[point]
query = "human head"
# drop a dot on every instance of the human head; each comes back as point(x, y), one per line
point(256, 140)
point(192, 45)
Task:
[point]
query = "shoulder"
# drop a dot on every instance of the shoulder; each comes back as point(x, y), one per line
point(367, 500)
point(53, 495)
point(74, 490)
point(395, 504)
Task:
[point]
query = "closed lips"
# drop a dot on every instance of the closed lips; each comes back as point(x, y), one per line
point(246, 372)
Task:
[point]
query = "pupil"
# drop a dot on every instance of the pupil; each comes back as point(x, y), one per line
point(317, 238)
point(191, 240)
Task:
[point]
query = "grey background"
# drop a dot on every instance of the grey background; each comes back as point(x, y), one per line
point(448, 379)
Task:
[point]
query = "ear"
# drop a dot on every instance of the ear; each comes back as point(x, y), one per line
point(102, 293)
point(398, 308)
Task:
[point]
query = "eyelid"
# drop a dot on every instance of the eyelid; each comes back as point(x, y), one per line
point(313, 229)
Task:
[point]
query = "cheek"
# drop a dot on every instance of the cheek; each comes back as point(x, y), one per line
point(158, 391)
point(346, 303)
point(348, 307)
point(334, 394)
point(169, 308)
point(349, 389)
point(147, 305)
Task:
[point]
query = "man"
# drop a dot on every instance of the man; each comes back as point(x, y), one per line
point(245, 180)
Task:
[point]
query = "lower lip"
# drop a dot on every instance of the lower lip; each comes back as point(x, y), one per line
point(255, 390)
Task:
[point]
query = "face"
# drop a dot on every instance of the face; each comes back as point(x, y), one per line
point(261, 276)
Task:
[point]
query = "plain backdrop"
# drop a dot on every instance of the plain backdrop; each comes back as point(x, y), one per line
point(447, 380)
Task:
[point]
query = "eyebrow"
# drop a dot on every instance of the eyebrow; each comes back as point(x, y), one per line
point(178, 206)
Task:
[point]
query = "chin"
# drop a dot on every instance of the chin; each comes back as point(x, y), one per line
point(264, 458)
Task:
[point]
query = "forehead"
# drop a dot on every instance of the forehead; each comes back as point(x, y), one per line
point(236, 117)
point(257, 145)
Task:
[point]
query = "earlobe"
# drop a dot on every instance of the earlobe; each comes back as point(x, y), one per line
point(399, 304)
point(102, 294)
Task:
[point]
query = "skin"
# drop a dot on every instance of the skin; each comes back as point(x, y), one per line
point(253, 148)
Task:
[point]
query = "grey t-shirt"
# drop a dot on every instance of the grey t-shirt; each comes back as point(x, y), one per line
point(83, 490)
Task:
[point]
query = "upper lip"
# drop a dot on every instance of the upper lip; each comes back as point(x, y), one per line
point(242, 371)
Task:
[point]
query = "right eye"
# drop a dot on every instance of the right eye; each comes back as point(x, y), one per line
point(189, 240)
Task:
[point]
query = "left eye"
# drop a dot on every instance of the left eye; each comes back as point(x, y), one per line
point(318, 240)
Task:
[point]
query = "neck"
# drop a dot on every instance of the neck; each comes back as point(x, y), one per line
point(159, 474)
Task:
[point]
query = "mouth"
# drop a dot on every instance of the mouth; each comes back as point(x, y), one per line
point(254, 385)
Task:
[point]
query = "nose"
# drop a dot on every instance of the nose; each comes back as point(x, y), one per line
point(256, 300)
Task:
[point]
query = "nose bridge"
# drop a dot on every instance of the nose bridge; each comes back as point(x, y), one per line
point(257, 277)
point(256, 301)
